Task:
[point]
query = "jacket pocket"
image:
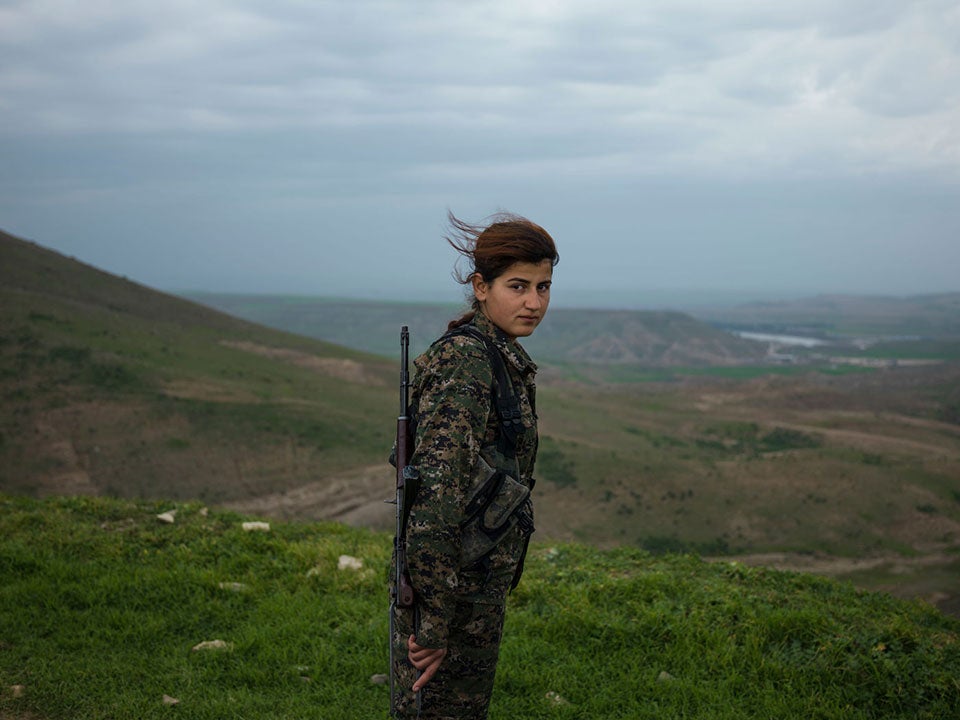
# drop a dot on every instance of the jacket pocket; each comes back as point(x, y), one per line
point(497, 502)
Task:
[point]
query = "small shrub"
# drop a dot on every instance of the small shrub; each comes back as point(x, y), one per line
point(661, 545)
point(787, 439)
point(655, 439)
point(710, 444)
point(69, 354)
point(949, 412)
point(111, 376)
point(555, 466)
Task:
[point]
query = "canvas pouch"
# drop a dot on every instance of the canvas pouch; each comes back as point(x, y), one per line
point(494, 506)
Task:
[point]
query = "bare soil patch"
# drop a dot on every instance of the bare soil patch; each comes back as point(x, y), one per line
point(342, 368)
point(356, 497)
point(832, 566)
point(910, 572)
point(208, 391)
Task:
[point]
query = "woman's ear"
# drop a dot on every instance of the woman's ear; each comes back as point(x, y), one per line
point(480, 287)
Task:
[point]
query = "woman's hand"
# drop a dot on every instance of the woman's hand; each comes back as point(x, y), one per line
point(426, 660)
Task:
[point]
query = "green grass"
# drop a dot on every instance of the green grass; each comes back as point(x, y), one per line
point(100, 605)
point(947, 350)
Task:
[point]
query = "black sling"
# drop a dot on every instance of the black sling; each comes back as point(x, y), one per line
point(504, 397)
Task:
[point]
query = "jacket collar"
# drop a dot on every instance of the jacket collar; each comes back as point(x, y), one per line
point(510, 348)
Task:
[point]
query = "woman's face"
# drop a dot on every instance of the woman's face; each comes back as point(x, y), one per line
point(517, 300)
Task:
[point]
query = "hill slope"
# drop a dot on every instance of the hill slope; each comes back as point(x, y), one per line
point(595, 337)
point(101, 604)
point(110, 387)
point(107, 387)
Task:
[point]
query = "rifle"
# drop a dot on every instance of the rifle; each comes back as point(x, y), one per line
point(405, 475)
point(401, 594)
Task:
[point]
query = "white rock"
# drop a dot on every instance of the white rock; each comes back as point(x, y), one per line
point(664, 676)
point(232, 586)
point(167, 700)
point(379, 679)
point(555, 698)
point(168, 517)
point(347, 562)
point(256, 526)
point(213, 645)
point(17, 690)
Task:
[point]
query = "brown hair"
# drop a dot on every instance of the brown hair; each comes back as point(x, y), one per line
point(493, 247)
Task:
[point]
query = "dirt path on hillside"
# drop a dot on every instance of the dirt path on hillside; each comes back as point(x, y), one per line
point(342, 368)
point(874, 440)
point(842, 568)
point(925, 423)
point(354, 498)
point(832, 566)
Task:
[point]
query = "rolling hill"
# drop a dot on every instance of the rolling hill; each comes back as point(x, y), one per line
point(567, 336)
point(111, 388)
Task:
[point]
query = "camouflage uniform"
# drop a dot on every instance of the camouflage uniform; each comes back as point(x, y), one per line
point(460, 608)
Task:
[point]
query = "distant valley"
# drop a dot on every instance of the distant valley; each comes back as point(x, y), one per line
point(617, 344)
point(600, 337)
point(850, 316)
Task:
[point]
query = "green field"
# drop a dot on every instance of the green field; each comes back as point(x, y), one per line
point(102, 605)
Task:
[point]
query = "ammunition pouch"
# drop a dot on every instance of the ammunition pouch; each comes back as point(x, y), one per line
point(496, 504)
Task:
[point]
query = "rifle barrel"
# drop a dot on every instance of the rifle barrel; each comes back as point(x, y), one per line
point(404, 370)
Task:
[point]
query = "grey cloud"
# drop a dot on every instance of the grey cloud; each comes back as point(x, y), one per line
point(673, 124)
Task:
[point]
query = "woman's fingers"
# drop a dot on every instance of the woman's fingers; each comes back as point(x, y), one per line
point(426, 660)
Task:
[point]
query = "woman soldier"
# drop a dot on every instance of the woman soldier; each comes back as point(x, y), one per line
point(475, 443)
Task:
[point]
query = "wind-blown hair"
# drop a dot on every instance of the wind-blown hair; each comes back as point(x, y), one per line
point(491, 248)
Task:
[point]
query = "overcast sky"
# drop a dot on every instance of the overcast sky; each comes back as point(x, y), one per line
point(742, 146)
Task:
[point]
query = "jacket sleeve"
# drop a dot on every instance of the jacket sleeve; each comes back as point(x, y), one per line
point(452, 411)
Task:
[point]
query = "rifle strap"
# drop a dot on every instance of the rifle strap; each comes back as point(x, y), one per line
point(504, 394)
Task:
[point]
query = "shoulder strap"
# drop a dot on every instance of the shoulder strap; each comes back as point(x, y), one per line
point(504, 395)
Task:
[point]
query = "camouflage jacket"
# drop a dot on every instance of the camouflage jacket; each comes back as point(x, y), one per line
point(456, 420)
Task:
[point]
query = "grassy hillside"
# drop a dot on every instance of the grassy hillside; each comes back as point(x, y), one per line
point(567, 336)
point(109, 387)
point(102, 605)
point(844, 465)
